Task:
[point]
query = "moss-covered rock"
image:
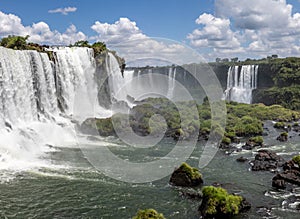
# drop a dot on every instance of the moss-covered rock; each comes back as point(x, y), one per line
point(296, 160)
point(148, 214)
point(283, 137)
point(217, 203)
point(186, 176)
point(280, 125)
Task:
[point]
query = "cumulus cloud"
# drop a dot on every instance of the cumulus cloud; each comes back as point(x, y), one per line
point(216, 33)
point(10, 24)
point(130, 42)
point(251, 28)
point(63, 11)
point(39, 32)
point(255, 14)
point(123, 29)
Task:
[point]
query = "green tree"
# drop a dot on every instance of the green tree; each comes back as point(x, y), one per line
point(14, 42)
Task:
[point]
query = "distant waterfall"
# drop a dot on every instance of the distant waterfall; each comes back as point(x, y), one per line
point(240, 83)
point(171, 82)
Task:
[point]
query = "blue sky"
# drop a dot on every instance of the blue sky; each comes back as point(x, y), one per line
point(215, 28)
point(167, 18)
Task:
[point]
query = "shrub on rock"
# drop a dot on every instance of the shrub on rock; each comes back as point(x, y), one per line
point(296, 160)
point(283, 137)
point(217, 203)
point(186, 176)
point(148, 214)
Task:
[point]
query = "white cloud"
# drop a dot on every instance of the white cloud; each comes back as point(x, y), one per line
point(39, 32)
point(215, 33)
point(63, 11)
point(10, 24)
point(121, 30)
point(251, 28)
point(255, 14)
point(130, 42)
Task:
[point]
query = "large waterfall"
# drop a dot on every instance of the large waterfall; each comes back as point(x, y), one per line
point(241, 80)
point(40, 99)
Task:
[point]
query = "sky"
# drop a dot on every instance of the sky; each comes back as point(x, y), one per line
point(213, 28)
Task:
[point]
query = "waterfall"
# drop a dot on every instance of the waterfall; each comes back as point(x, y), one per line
point(171, 82)
point(75, 70)
point(40, 98)
point(240, 83)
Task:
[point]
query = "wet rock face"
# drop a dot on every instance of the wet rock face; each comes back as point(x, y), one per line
point(266, 160)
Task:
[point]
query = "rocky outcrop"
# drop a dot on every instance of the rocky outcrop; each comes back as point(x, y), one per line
point(266, 160)
point(290, 174)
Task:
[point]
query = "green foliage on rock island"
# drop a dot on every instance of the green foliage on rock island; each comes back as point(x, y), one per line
point(296, 160)
point(258, 140)
point(182, 122)
point(218, 202)
point(148, 214)
point(192, 172)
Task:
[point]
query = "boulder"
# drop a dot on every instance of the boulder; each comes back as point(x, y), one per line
point(283, 137)
point(266, 160)
point(278, 182)
point(241, 159)
point(290, 174)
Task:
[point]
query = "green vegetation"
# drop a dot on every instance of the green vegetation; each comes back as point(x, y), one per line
point(296, 160)
point(148, 214)
point(284, 134)
point(219, 202)
point(98, 47)
point(285, 73)
point(226, 140)
point(182, 122)
point(279, 125)
point(14, 42)
point(258, 140)
point(288, 97)
point(192, 172)
point(20, 43)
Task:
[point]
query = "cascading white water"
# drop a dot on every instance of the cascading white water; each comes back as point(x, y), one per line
point(28, 107)
point(30, 118)
point(240, 83)
point(171, 82)
point(75, 70)
point(117, 81)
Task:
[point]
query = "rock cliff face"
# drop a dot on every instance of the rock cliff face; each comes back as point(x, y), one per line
point(275, 79)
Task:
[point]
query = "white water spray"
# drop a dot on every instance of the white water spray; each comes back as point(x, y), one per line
point(241, 81)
